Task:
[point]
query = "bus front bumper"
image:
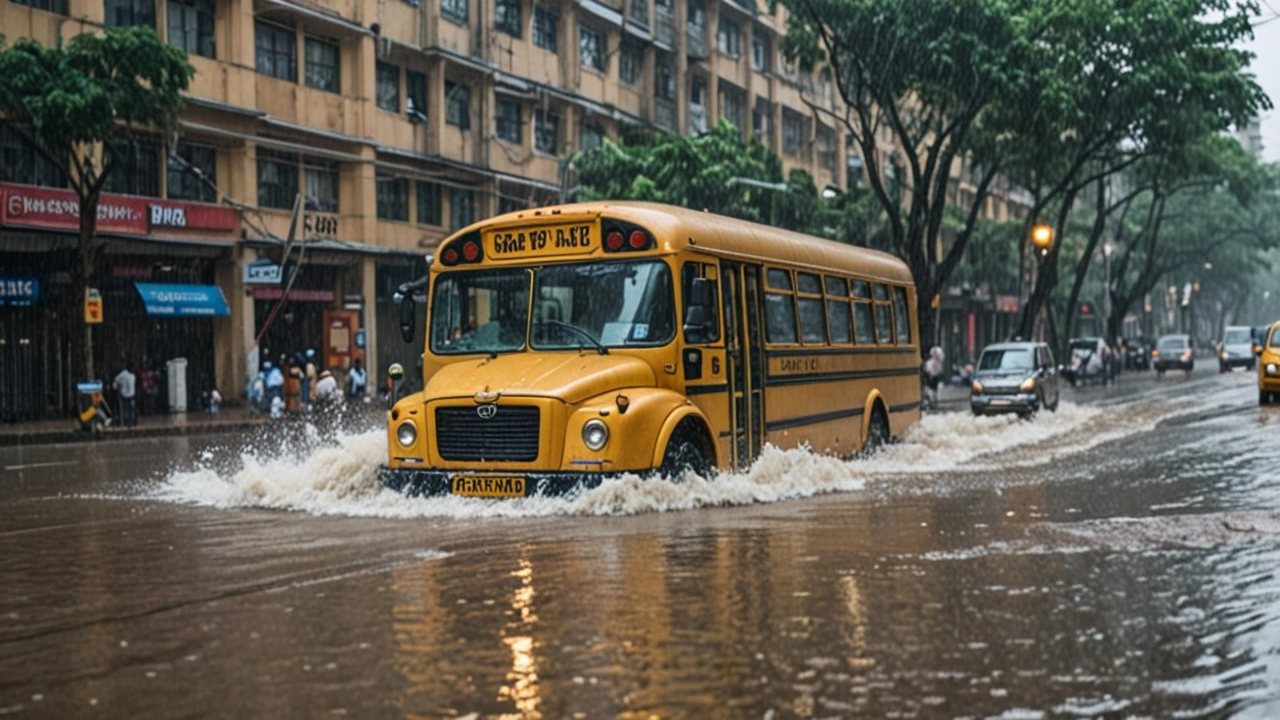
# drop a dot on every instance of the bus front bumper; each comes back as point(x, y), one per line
point(428, 483)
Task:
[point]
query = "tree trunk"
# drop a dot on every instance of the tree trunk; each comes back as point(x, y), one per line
point(84, 280)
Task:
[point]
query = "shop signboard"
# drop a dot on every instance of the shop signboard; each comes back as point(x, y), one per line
point(19, 290)
point(295, 294)
point(59, 209)
point(263, 272)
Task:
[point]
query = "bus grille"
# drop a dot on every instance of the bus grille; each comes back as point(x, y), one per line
point(511, 434)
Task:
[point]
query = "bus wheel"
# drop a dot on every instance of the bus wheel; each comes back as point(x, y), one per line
point(685, 452)
point(877, 432)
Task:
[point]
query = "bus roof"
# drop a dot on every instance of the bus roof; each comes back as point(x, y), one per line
point(724, 236)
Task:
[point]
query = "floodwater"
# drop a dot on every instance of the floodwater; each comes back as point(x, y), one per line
point(1114, 559)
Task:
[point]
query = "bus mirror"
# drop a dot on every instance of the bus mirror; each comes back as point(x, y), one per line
point(698, 317)
point(408, 313)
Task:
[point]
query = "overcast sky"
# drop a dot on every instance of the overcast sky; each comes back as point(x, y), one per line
point(1266, 67)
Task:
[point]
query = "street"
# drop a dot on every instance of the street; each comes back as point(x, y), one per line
point(1113, 559)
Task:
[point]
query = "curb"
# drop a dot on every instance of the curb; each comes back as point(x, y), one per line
point(51, 437)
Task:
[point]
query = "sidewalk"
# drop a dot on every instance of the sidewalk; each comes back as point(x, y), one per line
point(43, 432)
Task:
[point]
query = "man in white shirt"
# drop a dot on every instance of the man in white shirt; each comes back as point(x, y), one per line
point(126, 385)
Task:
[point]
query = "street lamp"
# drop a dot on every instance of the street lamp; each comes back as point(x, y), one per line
point(1106, 290)
point(1042, 238)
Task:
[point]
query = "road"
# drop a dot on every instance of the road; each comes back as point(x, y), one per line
point(1114, 559)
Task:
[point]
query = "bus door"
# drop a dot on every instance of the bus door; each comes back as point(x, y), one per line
point(744, 360)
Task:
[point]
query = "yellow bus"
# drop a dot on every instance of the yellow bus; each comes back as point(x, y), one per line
point(569, 344)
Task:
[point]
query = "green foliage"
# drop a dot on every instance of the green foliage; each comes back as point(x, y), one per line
point(98, 91)
point(80, 107)
point(720, 173)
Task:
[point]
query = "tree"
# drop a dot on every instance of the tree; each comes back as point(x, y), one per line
point(926, 74)
point(82, 106)
point(1133, 80)
point(720, 173)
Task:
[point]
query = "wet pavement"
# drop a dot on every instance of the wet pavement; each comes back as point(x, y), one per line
point(1113, 559)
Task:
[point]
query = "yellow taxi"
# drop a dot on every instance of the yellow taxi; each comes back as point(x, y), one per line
point(1268, 352)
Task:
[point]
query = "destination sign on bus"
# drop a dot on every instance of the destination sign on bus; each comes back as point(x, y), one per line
point(576, 239)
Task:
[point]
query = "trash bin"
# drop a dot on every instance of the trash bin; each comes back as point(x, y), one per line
point(176, 374)
point(93, 409)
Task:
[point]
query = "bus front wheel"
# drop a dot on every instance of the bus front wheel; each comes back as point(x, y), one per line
point(685, 451)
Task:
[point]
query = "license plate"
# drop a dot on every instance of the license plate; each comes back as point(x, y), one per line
point(999, 402)
point(487, 486)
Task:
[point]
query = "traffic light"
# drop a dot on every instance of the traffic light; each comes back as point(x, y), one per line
point(1086, 308)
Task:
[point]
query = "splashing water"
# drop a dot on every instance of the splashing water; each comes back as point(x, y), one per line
point(340, 477)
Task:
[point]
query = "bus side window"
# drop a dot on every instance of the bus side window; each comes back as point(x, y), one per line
point(710, 327)
point(813, 321)
point(901, 316)
point(862, 322)
point(839, 321)
point(780, 308)
point(884, 324)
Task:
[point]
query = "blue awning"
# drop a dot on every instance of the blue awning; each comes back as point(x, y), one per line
point(183, 300)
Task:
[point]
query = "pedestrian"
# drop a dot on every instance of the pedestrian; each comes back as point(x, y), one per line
point(274, 381)
point(357, 380)
point(327, 392)
point(126, 385)
point(932, 375)
point(215, 401)
point(311, 374)
point(294, 386)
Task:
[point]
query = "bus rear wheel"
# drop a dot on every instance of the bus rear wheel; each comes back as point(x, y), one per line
point(685, 451)
point(877, 432)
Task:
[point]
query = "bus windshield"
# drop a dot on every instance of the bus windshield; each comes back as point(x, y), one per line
point(581, 305)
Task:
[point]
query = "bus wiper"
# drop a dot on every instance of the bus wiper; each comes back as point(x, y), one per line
point(570, 326)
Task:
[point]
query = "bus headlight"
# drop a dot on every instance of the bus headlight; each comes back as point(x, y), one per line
point(595, 434)
point(1027, 385)
point(407, 433)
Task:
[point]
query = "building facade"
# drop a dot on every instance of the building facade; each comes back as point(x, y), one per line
point(399, 122)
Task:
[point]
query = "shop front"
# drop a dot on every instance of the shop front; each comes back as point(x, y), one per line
point(156, 270)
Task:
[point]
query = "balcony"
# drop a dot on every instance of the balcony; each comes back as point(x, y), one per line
point(664, 31)
point(697, 119)
point(664, 114)
point(696, 43)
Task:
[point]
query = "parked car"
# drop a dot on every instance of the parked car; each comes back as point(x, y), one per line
point(1017, 377)
point(1269, 366)
point(1173, 352)
point(1236, 348)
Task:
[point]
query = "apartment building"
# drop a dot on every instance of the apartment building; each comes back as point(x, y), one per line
point(399, 121)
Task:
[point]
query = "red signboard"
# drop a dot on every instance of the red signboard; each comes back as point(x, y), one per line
point(125, 214)
point(272, 292)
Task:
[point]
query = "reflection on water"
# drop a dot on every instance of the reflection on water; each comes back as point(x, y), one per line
point(522, 689)
point(1097, 562)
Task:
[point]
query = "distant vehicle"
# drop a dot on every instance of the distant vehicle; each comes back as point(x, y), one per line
point(1015, 377)
point(1137, 353)
point(1236, 348)
point(1086, 363)
point(1268, 355)
point(1173, 352)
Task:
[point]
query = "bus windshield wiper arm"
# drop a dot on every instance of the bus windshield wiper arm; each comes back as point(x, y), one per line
point(570, 326)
